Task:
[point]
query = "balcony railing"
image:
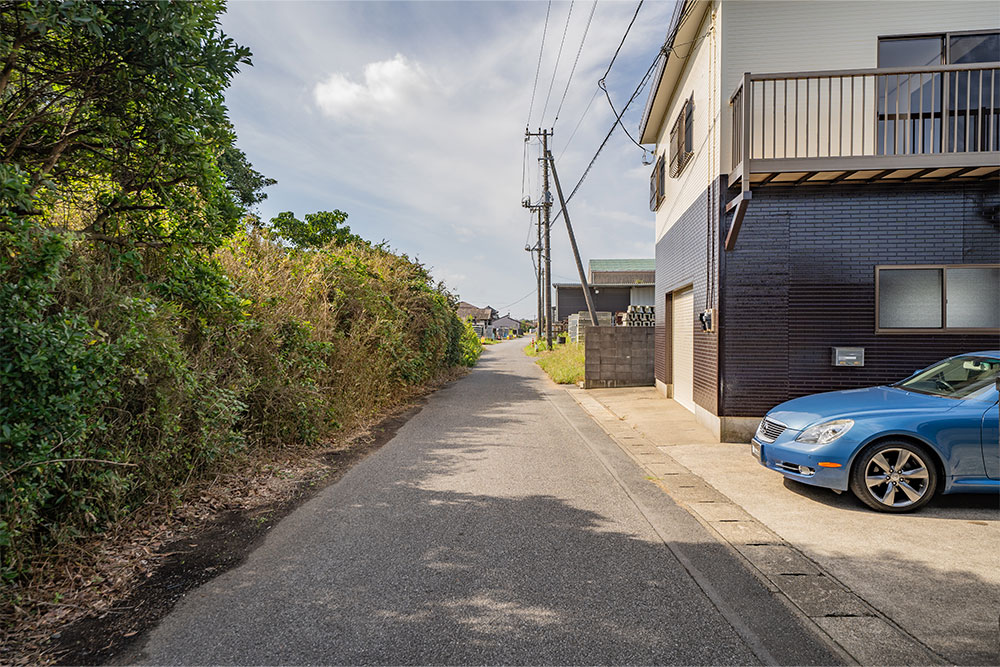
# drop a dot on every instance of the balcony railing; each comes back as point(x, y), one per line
point(841, 122)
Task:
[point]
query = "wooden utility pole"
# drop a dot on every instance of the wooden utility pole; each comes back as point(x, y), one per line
point(572, 239)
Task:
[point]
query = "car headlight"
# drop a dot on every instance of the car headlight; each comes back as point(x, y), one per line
point(821, 434)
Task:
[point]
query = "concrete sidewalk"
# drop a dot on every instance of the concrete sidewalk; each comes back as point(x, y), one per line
point(908, 589)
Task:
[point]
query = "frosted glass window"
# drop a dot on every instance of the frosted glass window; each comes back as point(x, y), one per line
point(973, 298)
point(910, 298)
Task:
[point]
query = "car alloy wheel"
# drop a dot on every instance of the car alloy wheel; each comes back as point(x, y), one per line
point(895, 476)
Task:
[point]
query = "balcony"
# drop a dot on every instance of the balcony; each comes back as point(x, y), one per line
point(926, 124)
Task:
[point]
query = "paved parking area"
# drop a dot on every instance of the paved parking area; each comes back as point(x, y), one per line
point(890, 589)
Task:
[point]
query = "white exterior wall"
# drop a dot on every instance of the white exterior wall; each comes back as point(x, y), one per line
point(768, 36)
point(681, 192)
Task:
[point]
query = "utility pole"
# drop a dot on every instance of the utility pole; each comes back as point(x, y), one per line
point(536, 250)
point(546, 247)
point(572, 239)
point(538, 274)
point(546, 208)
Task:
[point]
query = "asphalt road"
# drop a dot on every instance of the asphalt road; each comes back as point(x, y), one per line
point(500, 526)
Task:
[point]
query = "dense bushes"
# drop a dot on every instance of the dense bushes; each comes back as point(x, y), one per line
point(150, 328)
point(125, 376)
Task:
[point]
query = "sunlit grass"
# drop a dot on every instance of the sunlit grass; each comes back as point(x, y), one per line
point(564, 363)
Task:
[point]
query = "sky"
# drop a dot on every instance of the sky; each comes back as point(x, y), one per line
point(410, 117)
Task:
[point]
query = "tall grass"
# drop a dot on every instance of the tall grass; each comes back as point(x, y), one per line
point(564, 363)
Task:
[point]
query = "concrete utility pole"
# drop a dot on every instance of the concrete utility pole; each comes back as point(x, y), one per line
point(572, 241)
point(546, 210)
point(536, 251)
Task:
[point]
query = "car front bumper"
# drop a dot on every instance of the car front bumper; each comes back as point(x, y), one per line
point(786, 456)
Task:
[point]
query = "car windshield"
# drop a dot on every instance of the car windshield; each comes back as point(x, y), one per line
point(955, 378)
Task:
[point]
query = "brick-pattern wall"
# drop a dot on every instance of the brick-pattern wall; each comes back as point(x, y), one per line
point(801, 280)
point(682, 259)
point(618, 357)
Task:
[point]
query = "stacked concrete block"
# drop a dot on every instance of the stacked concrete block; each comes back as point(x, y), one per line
point(604, 319)
point(619, 357)
point(640, 316)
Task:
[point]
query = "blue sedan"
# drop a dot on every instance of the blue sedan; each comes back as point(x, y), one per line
point(894, 446)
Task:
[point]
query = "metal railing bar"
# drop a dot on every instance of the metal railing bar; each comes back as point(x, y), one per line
point(909, 115)
point(954, 144)
point(920, 112)
point(979, 115)
point(889, 71)
point(774, 119)
point(968, 106)
point(784, 120)
point(797, 116)
point(829, 115)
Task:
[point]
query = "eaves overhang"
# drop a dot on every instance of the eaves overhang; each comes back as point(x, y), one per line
point(688, 16)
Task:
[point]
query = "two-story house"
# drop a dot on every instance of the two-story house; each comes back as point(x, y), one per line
point(826, 177)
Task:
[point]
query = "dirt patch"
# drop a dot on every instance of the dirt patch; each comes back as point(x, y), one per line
point(102, 610)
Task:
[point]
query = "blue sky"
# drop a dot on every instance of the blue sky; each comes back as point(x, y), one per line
point(410, 117)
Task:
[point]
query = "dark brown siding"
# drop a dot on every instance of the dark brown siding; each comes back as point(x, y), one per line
point(608, 299)
point(682, 259)
point(801, 280)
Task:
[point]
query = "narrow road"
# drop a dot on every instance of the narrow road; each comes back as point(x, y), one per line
point(500, 526)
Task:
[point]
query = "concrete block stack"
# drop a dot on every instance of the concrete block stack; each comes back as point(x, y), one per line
point(640, 316)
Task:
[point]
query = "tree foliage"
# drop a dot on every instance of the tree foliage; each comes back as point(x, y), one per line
point(317, 230)
point(117, 109)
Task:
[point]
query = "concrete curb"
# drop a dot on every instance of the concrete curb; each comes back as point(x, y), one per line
point(852, 626)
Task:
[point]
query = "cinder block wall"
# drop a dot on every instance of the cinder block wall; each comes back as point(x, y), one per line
point(619, 357)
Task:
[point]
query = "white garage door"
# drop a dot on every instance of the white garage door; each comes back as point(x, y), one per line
point(682, 345)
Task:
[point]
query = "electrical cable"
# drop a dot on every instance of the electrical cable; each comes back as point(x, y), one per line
point(516, 302)
point(598, 91)
point(538, 67)
point(664, 52)
point(555, 69)
point(642, 84)
point(575, 61)
point(578, 123)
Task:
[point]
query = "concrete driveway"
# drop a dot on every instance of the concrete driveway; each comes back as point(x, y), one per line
point(925, 581)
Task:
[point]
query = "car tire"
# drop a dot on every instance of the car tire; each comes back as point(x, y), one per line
point(894, 476)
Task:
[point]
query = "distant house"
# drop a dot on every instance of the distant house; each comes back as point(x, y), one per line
point(481, 318)
point(615, 284)
point(506, 326)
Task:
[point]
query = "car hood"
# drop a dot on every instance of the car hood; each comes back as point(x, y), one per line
point(799, 413)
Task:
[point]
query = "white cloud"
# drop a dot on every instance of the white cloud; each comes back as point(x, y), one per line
point(425, 149)
point(387, 84)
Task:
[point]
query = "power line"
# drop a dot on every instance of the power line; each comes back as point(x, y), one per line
point(578, 123)
point(558, 57)
point(575, 61)
point(622, 43)
point(538, 67)
point(665, 50)
point(618, 117)
point(518, 301)
point(601, 83)
point(600, 87)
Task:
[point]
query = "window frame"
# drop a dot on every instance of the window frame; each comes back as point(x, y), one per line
point(680, 132)
point(657, 183)
point(946, 36)
point(944, 328)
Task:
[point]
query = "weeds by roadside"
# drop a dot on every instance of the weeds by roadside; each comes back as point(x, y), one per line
point(564, 364)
